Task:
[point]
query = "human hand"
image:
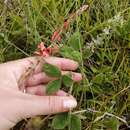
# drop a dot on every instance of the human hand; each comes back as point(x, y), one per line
point(16, 105)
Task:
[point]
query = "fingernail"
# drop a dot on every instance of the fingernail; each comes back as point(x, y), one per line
point(76, 76)
point(70, 103)
point(61, 93)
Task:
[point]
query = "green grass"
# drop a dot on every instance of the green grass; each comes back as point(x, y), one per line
point(104, 94)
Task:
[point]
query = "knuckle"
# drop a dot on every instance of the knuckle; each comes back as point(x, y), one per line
point(55, 104)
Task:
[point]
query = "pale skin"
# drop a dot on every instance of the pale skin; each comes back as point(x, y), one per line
point(16, 105)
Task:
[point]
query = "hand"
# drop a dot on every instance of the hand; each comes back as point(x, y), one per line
point(16, 105)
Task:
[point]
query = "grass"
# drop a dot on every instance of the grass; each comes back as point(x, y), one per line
point(104, 94)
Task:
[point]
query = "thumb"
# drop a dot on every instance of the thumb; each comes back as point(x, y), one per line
point(42, 105)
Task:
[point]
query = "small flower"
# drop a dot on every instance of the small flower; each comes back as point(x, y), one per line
point(45, 52)
point(98, 40)
point(82, 9)
point(6, 1)
point(49, 50)
point(95, 42)
point(56, 37)
point(42, 50)
point(106, 31)
point(66, 25)
point(117, 19)
point(41, 46)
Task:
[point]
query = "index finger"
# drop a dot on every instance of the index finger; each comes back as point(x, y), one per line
point(20, 66)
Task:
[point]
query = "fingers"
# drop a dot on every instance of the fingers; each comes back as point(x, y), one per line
point(43, 105)
point(40, 78)
point(20, 66)
point(41, 91)
point(62, 63)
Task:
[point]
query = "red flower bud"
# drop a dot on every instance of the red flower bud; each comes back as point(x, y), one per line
point(56, 37)
point(45, 54)
point(41, 46)
point(66, 25)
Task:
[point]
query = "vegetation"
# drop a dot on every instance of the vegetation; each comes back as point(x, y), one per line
point(98, 38)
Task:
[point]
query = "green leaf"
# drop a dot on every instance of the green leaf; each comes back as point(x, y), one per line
point(75, 123)
point(112, 123)
point(87, 53)
point(17, 20)
point(75, 55)
point(53, 86)
point(76, 41)
point(66, 51)
point(60, 121)
point(51, 70)
point(99, 78)
point(69, 52)
point(67, 80)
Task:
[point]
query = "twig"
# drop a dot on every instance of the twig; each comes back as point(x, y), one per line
point(28, 73)
point(111, 115)
point(73, 16)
